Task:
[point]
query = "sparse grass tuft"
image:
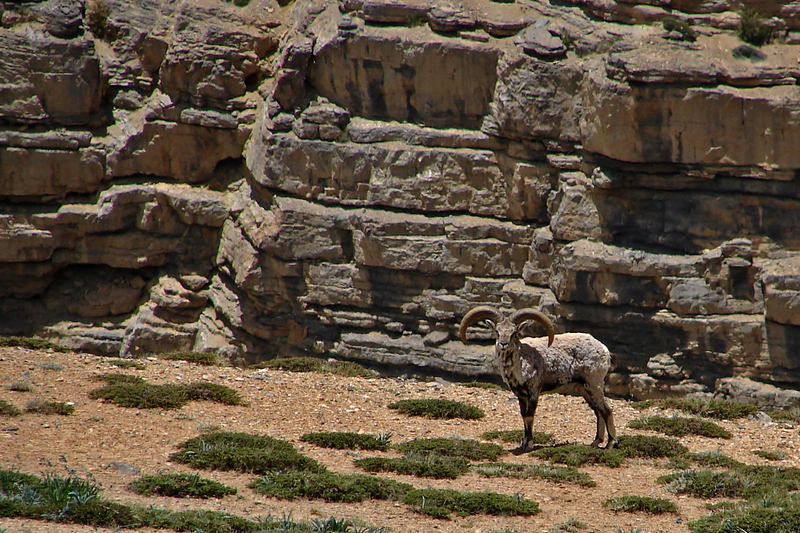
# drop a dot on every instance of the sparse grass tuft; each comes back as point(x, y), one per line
point(787, 415)
point(128, 363)
point(481, 385)
point(559, 474)
point(680, 427)
point(766, 515)
point(713, 459)
point(254, 454)
point(8, 409)
point(580, 454)
point(180, 486)
point(342, 440)
point(21, 386)
point(198, 358)
point(706, 407)
point(771, 455)
point(515, 435)
point(452, 447)
point(640, 504)
point(438, 408)
point(313, 364)
point(439, 503)
point(43, 407)
point(329, 486)
point(420, 465)
point(740, 481)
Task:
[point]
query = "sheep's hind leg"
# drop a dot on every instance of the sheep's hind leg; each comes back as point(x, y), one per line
point(605, 417)
point(527, 408)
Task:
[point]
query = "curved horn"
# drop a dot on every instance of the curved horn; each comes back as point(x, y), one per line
point(522, 315)
point(482, 312)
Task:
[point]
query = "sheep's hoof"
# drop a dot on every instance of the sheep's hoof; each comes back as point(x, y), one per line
point(611, 444)
point(523, 448)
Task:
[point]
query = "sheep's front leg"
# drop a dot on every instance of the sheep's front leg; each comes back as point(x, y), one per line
point(527, 408)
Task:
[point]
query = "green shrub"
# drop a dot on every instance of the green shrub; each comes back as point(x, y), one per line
point(752, 28)
point(213, 392)
point(786, 415)
point(680, 427)
point(8, 409)
point(580, 454)
point(342, 440)
point(254, 454)
point(97, 14)
point(640, 504)
point(675, 24)
point(43, 407)
point(438, 408)
point(515, 436)
point(198, 358)
point(329, 486)
point(180, 486)
point(132, 391)
point(434, 466)
point(559, 474)
point(439, 503)
point(348, 369)
point(452, 447)
point(649, 446)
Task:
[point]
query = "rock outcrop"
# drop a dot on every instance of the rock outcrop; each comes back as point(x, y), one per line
point(349, 178)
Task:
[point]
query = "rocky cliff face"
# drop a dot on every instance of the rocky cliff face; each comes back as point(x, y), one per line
point(349, 178)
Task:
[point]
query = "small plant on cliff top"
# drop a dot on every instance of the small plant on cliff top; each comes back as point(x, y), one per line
point(97, 14)
point(752, 28)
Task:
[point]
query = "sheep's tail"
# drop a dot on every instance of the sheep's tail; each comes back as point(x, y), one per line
point(614, 360)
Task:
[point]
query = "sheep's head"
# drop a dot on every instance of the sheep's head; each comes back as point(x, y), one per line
point(507, 329)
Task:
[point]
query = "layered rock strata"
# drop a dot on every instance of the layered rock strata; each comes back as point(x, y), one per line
point(350, 178)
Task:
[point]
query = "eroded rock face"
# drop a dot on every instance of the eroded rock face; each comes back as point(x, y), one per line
point(350, 179)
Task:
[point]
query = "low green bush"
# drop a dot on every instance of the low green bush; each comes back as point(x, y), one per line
point(452, 447)
point(329, 486)
point(254, 454)
point(438, 408)
point(343, 440)
point(647, 446)
point(426, 465)
point(180, 486)
point(132, 391)
point(198, 358)
point(439, 503)
point(761, 515)
point(680, 427)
